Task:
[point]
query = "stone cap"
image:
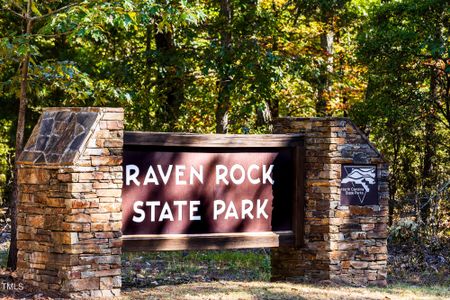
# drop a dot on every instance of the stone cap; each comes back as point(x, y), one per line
point(340, 121)
point(61, 135)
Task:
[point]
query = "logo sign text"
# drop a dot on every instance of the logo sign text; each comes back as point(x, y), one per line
point(359, 185)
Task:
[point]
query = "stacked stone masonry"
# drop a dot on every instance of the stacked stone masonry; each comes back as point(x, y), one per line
point(69, 213)
point(343, 243)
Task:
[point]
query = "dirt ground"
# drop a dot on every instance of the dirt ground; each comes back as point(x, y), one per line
point(254, 290)
point(267, 290)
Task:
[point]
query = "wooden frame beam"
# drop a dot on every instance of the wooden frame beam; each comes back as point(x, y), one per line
point(210, 241)
point(136, 138)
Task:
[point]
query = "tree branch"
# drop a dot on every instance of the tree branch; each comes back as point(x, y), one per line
point(15, 13)
point(54, 12)
point(17, 6)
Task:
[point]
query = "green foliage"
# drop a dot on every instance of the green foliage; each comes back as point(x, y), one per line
point(404, 230)
point(155, 268)
point(165, 62)
point(405, 45)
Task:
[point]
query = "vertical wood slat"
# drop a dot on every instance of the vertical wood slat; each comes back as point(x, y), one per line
point(298, 218)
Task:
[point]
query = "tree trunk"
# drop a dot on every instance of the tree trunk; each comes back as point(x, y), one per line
point(264, 115)
point(20, 132)
point(146, 108)
point(224, 83)
point(428, 179)
point(148, 44)
point(393, 179)
point(324, 86)
point(170, 84)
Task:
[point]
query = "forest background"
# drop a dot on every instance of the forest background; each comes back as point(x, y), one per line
point(233, 66)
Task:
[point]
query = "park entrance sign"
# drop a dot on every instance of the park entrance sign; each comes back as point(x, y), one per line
point(188, 191)
point(316, 192)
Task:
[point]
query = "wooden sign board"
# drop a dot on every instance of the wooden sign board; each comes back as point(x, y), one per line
point(211, 191)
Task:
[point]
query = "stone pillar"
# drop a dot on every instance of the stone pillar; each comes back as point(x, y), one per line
point(69, 211)
point(343, 243)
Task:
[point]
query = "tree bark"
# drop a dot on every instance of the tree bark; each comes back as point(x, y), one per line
point(325, 82)
point(225, 80)
point(264, 115)
point(20, 132)
point(393, 179)
point(170, 84)
point(429, 150)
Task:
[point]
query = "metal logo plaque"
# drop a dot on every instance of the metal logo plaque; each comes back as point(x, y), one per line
point(359, 185)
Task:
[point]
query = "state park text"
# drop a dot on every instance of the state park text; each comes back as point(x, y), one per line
point(191, 175)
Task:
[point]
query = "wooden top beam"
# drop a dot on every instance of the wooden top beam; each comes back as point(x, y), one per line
point(137, 138)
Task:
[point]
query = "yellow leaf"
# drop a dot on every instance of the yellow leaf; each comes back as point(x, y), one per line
point(35, 9)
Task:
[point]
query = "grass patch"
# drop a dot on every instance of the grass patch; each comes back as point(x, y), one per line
point(408, 289)
point(174, 267)
point(244, 274)
point(4, 256)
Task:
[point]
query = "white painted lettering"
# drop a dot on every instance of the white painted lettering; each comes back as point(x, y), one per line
point(231, 212)
point(179, 204)
point(193, 207)
point(139, 211)
point(249, 174)
point(179, 172)
point(267, 174)
point(166, 213)
point(233, 170)
point(165, 177)
point(221, 174)
point(219, 208)
point(152, 205)
point(151, 177)
point(198, 174)
point(260, 209)
point(247, 206)
point(131, 176)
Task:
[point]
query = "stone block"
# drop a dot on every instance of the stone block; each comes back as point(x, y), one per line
point(65, 238)
point(109, 192)
point(76, 203)
point(113, 143)
point(361, 210)
point(106, 283)
point(33, 176)
point(100, 217)
point(106, 160)
point(107, 273)
point(71, 226)
point(114, 125)
point(113, 116)
point(79, 187)
point(36, 221)
point(78, 218)
point(359, 264)
point(84, 284)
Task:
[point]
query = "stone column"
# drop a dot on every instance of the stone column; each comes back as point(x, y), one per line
point(69, 211)
point(343, 243)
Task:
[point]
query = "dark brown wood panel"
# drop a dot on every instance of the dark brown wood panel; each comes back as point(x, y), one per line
point(291, 210)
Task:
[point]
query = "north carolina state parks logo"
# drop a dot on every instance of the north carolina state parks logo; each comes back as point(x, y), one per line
point(359, 185)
